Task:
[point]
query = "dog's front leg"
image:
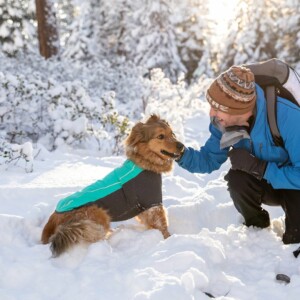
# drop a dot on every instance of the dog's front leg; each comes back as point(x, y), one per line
point(155, 217)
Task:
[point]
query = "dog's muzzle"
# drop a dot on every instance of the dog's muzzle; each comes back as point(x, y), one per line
point(174, 155)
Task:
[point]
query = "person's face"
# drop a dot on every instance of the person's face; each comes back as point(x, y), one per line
point(226, 120)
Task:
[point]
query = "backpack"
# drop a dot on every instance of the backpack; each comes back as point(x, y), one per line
point(276, 77)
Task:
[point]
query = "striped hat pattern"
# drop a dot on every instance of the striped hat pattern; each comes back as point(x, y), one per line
point(233, 92)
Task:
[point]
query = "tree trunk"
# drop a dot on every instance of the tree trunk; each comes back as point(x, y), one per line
point(47, 30)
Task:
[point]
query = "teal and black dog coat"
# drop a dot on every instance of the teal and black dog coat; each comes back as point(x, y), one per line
point(123, 193)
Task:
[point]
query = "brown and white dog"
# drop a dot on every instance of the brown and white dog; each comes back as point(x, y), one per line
point(152, 147)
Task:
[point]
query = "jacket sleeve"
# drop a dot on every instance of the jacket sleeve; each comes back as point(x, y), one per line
point(287, 176)
point(209, 158)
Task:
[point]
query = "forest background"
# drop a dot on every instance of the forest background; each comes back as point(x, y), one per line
point(107, 54)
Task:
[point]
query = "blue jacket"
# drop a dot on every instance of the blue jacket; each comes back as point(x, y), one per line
point(283, 169)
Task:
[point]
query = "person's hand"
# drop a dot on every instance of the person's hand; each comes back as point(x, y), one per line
point(244, 161)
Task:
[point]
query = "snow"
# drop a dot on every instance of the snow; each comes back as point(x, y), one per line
point(209, 249)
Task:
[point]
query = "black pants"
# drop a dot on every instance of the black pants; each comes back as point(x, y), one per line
point(248, 194)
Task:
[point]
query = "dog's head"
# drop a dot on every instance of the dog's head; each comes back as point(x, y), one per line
point(153, 145)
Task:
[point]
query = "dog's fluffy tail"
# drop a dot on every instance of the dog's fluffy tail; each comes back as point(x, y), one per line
point(74, 232)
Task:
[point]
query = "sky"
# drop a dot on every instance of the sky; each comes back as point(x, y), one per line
point(209, 251)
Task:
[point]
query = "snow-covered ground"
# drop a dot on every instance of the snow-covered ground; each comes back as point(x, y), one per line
point(209, 250)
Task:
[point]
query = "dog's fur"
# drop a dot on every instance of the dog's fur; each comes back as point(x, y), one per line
point(152, 146)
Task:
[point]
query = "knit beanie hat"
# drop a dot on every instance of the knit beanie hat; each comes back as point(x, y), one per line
point(233, 92)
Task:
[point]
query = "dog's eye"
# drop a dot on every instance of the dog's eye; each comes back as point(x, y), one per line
point(161, 137)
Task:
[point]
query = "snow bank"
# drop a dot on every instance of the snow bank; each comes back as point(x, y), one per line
point(209, 250)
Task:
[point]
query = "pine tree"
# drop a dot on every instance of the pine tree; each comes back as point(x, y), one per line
point(288, 44)
point(66, 12)
point(47, 28)
point(17, 31)
point(90, 35)
point(115, 21)
point(193, 35)
point(151, 42)
point(252, 35)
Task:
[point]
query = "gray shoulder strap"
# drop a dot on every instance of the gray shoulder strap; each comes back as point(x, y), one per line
point(272, 115)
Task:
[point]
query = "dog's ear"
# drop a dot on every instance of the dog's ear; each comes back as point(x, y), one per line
point(136, 135)
point(156, 119)
point(153, 118)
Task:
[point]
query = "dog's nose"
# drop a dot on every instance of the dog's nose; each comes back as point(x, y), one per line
point(179, 146)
